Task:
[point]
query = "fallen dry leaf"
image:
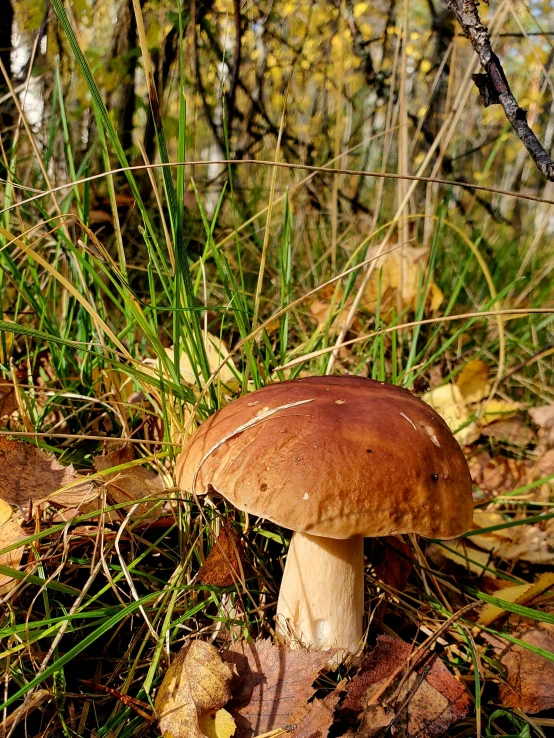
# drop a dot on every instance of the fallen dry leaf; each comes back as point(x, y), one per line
point(545, 465)
point(527, 542)
point(520, 594)
point(216, 352)
point(473, 381)
point(197, 682)
point(543, 417)
point(529, 675)
point(448, 401)
point(130, 485)
point(320, 308)
point(273, 685)
point(495, 410)
point(315, 719)
point(218, 724)
point(28, 474)
point(493, 418)
point(513, 431)
point(420, 707)
point(397, 274)
point(10, 532)
point(223, 566)
point(8, 400)
point(497, 474)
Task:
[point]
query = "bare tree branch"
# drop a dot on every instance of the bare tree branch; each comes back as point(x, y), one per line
point(493, 85)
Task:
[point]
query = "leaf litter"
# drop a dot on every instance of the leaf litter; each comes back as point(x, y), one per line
point(130, 485)
point(395, 282)
point(256, 687)
point(272, 687)
point(29, 476)
point(390, 698)
point(266, 686)
point(32, 480)
point(529, 676)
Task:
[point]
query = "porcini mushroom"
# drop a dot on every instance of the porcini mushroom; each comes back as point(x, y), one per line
point(334, 459)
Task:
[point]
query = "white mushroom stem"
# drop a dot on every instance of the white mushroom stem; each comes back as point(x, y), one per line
point(321, 602)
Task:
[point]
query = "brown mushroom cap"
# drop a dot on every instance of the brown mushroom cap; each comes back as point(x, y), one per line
point(356, 458)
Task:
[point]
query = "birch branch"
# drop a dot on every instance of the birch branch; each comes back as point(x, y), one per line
point(493, 84)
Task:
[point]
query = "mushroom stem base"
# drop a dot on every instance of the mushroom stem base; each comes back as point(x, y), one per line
point(321, 602)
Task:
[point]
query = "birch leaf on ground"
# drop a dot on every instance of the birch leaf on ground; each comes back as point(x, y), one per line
point(448, 401)
point(216, 352)
point(28, 474)
point(396, 275)
point(197, 682)
point(400, 273)
point(495, 410)
point(473, 381)
point(273, 686)
point(217, 724)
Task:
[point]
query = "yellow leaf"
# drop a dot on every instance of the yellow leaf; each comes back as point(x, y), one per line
point(473, 381)
point(218, 724)
point(447, 400)
point(436, 297)
point(498, 410)
point(485, 519)
point(399, 274)
point(196, 682)
point(216, 352)
point(519, 594)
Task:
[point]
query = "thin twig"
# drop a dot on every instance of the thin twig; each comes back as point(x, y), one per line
point(493, 84)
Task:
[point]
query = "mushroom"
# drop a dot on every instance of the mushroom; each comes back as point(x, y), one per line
point(334, 459)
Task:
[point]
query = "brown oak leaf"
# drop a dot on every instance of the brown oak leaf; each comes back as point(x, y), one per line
point(273, 686)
